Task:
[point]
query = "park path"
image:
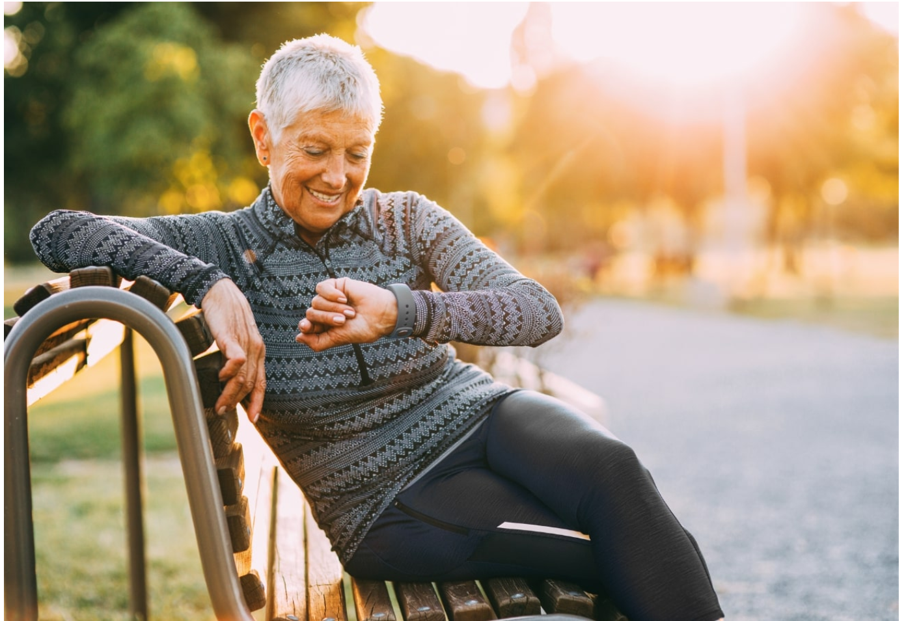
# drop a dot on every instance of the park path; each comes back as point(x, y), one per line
point(775, 443)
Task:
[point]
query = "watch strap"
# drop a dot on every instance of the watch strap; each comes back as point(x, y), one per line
point(405, 310)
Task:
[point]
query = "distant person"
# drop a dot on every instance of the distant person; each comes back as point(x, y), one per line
point(417, 466)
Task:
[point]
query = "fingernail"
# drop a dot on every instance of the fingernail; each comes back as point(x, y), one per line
point(341, 300)
point(349, 313)
point(222, 410)
point(339, 318)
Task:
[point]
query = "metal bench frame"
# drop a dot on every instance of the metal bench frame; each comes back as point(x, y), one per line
point(138, 314)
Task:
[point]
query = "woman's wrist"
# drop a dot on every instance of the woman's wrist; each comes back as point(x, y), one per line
point(404, 321)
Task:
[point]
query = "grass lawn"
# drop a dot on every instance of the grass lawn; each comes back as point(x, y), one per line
point(876, 316)
point(80, 542)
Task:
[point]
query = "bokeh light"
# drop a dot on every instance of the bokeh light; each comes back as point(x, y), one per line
point(834, 191)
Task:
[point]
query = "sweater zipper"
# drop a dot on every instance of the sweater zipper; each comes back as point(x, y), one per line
point(326, 261)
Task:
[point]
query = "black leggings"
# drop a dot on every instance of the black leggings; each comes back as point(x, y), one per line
point(519, 498)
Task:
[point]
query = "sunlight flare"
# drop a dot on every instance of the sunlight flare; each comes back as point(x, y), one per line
point(681, 44)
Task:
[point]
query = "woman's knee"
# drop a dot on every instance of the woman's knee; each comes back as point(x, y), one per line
point(531, 420)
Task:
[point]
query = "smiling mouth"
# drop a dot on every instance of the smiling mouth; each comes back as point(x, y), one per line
point(328, 199)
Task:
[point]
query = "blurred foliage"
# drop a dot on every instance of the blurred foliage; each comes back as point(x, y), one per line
point(154, 132)
point(141, 109)
point(836, 119)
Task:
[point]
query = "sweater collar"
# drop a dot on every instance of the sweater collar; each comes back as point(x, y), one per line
point(280, 227)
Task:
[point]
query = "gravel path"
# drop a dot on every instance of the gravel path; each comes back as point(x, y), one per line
point(775, 444)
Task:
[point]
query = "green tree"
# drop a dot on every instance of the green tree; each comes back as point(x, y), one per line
point(155, 114)
point(37, 176)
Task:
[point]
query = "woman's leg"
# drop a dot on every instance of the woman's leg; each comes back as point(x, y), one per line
point(593, 482)
point(516, 500)
point(453, 523)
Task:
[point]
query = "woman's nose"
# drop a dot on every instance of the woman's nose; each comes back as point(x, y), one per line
point(335, 172)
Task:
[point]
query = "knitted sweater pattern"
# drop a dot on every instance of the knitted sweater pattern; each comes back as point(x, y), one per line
point(352, 424)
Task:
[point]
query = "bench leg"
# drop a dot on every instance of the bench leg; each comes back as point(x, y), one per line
point(132, 454)
point(19, 576)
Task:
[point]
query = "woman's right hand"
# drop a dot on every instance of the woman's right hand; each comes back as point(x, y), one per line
point(230, 320)
point(347, 311)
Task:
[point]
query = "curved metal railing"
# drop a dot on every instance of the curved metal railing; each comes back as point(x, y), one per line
point(190, 431)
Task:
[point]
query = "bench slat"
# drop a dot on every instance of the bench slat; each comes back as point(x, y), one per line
point(324, 575)
point(64, 333)
point(55, 339)
point(222, 431)
point(196, 333)
point(230, 470)
point(372, 601)
point(511, 597)
point(208, 368)
point(94, 276)
point(88, 276)
point(154, 292)
point(464, 601)
point(36, 294)
point(419, 602)
point(286, 599)
point(54, 379)
point(55, 357)
point(564, 597)
point(253, 590)
point(238, 519)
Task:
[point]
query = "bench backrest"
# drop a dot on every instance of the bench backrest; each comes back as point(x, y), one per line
point(50, 342)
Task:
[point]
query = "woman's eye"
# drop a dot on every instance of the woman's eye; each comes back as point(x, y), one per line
point(313, 151)
point(358, 156)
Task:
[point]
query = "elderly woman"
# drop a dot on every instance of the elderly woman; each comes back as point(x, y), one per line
point(417, 466)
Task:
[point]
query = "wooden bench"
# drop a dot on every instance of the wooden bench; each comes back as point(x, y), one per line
point(284, 563)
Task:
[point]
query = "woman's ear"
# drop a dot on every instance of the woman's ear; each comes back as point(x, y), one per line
point(261, 137)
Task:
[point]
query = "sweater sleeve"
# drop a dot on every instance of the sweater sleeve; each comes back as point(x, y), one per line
point(182, 253)
point(485, 300)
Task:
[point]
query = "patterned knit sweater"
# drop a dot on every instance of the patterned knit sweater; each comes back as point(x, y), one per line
point(353, 424)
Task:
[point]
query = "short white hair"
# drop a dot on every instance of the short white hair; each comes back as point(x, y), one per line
point(320, 73)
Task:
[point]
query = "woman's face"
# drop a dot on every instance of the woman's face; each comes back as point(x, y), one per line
point(317, 168)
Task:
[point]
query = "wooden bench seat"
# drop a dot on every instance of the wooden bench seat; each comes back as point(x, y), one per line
point(284, 562)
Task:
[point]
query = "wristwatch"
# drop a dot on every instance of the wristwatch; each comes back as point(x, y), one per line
point(405, 310)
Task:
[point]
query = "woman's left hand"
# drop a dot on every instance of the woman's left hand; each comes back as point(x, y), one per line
point(347, 311)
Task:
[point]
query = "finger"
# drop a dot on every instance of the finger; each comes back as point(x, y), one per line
point(329, 319)
point(232, 394)
point(257, 396)
point(331, 290)
point(234, 373)
point(324, 305)
point(235, 358)
point(317, 342)
point(308, 327)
